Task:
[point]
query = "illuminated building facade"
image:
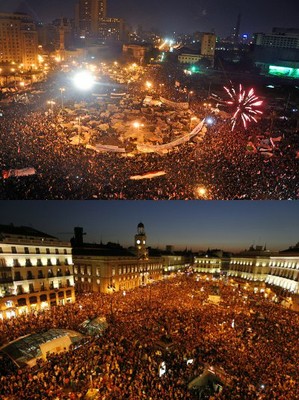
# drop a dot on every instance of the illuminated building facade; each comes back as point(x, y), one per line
point(208, 45)
point(279, 271)
point(193, 54)
point(18, 40)
point(36, 271)
point(110, 267)
point(187, 58)
point(277, 53)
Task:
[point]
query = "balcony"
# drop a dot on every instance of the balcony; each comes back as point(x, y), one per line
point(6, 280)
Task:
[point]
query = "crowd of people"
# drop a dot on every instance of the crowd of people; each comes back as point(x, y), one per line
point(249, 341)
point(219, 161)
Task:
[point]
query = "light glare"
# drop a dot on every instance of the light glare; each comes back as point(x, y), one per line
point(84, 80)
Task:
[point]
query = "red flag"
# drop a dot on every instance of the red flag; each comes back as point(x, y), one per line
point(5, 174)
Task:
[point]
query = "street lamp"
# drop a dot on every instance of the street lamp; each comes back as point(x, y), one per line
point(148, 84)
point(79, 128)
point(111, 289)
point(62, 89)
point(51, 103)
point(189, 95)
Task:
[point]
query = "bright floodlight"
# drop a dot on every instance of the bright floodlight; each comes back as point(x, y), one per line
point(84, 80)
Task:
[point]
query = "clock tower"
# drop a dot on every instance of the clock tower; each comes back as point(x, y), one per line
point(140, 241)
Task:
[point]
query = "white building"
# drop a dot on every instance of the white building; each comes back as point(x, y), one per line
point(36, 271)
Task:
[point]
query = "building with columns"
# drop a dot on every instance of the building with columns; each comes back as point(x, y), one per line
point(110, 267)
point(36, 271)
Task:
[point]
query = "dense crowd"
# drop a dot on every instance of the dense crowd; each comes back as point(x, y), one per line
point(250, 341)
point(219, 161)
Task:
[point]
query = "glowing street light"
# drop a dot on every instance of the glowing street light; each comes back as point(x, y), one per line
point(84, 80)
point(51, 103)
point(148, 84)
point(189, 95)
point(210, 121)
point(62, 89)
point(137, 124)
point(201, 192)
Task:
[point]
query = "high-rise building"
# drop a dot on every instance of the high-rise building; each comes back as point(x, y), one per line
point(36, 271)
point(88, 15)
point(208, 45)
point(18, 40)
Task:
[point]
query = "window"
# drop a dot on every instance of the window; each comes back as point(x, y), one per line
point(29, 275)
point(47, 251)
point(18, 276)
point(20, 289)
point(37, 250)
point(28, 262)
point(14, 249)
point(26, 250)
point(16, 263)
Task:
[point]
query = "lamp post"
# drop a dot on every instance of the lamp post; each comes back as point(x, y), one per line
point(62, 89)
point(111, 289)
point(189, 96)
point(51, 103)
point(79, 128)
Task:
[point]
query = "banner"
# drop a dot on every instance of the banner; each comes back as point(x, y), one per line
point(18, 172)
point(110, 148)
point(163, 148)
point(148, 175)
point(174, 104)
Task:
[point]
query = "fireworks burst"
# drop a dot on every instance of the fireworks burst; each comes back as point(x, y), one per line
point(245, 104)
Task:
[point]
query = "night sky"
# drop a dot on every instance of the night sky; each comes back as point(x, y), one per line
point(180, 16)
point(229, 225)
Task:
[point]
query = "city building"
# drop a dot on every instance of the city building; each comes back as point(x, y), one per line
point(203, 49)
point(208, 45)
point(264, 269)
point(88, 14)
point(277, 53)
point(111, 29)
point(137, 52)
point(18, 40)
point(36, 271)
point(109, 267)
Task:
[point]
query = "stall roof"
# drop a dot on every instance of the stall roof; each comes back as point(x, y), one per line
point(27, 348)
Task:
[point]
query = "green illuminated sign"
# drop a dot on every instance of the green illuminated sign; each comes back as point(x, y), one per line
point(284, 71)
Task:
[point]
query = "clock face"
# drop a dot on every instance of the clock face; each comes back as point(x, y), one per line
point(138, 241)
